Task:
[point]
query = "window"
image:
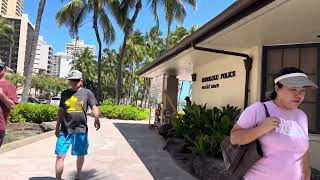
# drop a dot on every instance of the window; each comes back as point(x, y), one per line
point(307, 58)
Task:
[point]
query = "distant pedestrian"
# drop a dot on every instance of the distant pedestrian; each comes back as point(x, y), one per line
point(72, 129)
point(8, 100)
point(188, 101)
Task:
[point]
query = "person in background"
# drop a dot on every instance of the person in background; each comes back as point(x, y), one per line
point(283, 136)
point(188, 101)
point(8, 100)
point(72, 129)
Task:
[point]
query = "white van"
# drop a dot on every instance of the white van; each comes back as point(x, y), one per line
point(55, 101)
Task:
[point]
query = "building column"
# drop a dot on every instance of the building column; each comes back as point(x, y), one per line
point(169, 98)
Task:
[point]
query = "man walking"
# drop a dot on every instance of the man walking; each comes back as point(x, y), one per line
point(8, 100)
point(72, 126)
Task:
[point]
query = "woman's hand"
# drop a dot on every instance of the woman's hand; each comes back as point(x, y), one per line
point(269, 124)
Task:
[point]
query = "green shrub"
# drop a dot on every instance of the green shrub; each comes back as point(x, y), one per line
point(109, 101)
point(203, 129)
point(124, 112)
point(35, 113)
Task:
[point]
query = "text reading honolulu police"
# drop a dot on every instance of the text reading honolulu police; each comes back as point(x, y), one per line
point(217, 77)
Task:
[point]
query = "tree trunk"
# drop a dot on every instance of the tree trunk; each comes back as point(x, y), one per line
point(95, 27)
point(75, 53)
point(127, 31)
point(143, 91)
point(137, 94)
point(168, 34)
point(27, 82)
point(147, 96)
point(133, 91)
point(130, 84)
point(180, 91)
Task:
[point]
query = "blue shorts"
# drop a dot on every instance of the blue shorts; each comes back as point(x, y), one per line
point(79, 142)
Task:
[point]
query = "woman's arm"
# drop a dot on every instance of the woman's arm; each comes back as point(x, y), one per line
point(306, 169)
point(240, 136)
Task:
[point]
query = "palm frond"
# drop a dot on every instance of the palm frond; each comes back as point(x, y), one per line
point(108, 30)
point(72, 15)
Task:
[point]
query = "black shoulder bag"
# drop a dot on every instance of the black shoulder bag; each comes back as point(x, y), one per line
point(238, 159)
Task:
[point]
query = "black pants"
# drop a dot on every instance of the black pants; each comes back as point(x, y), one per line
point(2, 133)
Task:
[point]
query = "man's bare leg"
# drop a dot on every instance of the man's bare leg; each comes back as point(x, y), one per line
point(80, 161)
point(59, 165)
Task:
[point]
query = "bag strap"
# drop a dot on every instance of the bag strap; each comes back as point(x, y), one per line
point(266, 110)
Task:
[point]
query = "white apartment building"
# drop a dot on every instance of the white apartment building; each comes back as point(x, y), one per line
point(78, 47)
point(44, 54)
point(63, 63)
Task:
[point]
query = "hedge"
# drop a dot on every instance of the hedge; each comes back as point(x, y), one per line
point(38, 113)
point(124, 112)
point(35, 113)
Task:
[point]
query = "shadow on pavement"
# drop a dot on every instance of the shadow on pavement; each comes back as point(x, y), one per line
point(148, 145)
point(90, 174)
point(85, 174)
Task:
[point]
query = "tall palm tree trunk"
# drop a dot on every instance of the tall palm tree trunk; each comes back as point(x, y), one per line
point(130, 84)
point(138, 93)
point(180, 91)
point(168, 34)
point(95, 27)
point(127, 31)
point(75, 52)
point(27, 82)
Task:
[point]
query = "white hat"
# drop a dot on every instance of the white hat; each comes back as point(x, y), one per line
point(295, 80)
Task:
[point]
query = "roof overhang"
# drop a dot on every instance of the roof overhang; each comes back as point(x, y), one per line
point(245, 24)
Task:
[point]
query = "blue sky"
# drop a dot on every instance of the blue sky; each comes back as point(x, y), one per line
point(58, 37)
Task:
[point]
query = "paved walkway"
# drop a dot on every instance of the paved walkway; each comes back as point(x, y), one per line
point(120, 150)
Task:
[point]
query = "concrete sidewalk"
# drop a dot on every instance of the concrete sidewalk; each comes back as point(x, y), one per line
point(110, 156)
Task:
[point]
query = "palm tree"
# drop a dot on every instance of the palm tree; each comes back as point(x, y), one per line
point(135, 53)
point(109, 75)
point(97, 8)
point(27, 83)
point(179, 34)
point(6, 30)
point(154, 44)
point(86, 64)
point(174, 10)
point(127, 25)
point(72, 15)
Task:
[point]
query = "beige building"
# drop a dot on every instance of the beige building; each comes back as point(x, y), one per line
point(232, 58)
point(17, 54)
point(11, 7)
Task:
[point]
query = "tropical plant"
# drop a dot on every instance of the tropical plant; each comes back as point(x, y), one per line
point(203, 129)
point(27, 82)
point(48, 84)
point(135, 54)
point(72, 16)
point(15, 79)
point(86, 64)
point(175, 10)
point(6, 30)
point(127, 25)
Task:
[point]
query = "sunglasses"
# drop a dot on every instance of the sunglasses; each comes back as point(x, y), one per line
point(74, 80)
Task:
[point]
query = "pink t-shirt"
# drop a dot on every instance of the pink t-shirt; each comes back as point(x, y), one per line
point(283, 148)
point(10, 91)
